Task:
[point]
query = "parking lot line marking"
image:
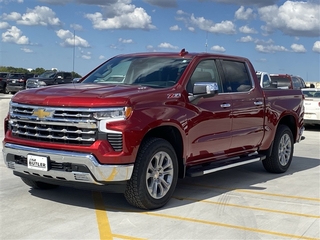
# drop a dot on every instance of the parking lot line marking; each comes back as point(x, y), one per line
point(127, 237)
point(255, 192)
point(267, 232)
point(102, 217)
point(247, 207)
point(230, 226)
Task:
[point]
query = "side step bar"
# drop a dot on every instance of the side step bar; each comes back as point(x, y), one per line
point(216, 166)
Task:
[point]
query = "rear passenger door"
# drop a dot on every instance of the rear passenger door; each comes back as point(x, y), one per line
point(247, 113)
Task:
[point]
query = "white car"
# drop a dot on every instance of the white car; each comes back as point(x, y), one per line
point(311, 105)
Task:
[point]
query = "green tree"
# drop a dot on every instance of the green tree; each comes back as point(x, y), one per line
point(36, 71)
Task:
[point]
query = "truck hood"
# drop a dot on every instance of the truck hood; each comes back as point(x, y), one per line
point(80, 95)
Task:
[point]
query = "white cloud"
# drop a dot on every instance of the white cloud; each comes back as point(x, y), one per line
point(180, 12)
point(8, 1)
point(263, 42)
point(149, 47)
point(13, 16)
point(76, 27)
point(40, 15)
point(87, 57)
point(224, 27)
point(121, 15)
point(101, 57)
point(26, 50)
point(14, 35)
point(69, 40)
point(246, 39)
point(175, 28)
point(167, 46)
point(299, 48)
point(242, 14)
point(247, 30)
point(292, 18)
point(270, 48)
point(218, 48)
point(316, 47)
point(4, 25)
point(191, 29)
point(125, 40)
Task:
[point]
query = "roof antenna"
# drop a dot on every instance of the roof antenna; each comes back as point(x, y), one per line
point(206, 41)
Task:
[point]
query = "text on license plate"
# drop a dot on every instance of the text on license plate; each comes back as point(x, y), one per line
point(37, 162)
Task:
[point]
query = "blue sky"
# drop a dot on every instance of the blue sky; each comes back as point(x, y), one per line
point(277, 36)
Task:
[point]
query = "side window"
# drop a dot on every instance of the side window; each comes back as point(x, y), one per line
point(295, 83)
point(67, 75)
point(206, 71)
point(237, 76)
point(266, 81)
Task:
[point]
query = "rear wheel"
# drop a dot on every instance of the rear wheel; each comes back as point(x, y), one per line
point(282, 151)
point(155, 175)
point(37, 184)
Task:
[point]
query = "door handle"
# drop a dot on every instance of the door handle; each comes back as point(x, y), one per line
point(258, 103)
point(225, 105)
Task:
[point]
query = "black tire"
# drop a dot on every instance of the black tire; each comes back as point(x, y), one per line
point(37, 184)
point(154, 176)
point(282, 151)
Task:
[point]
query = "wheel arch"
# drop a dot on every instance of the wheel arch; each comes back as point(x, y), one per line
point(174, 137)
point(289, 121)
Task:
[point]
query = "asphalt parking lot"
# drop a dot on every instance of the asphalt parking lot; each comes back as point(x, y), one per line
point(240, 203)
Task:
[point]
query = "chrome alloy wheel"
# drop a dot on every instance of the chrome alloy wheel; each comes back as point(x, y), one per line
point(285, 149)
point(159, 175)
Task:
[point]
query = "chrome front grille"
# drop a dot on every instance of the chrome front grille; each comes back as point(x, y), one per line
point(58, 125)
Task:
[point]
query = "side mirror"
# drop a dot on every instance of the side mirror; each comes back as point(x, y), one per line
point(203, 90)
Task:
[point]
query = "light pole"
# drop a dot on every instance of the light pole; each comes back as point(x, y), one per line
point(74, 51)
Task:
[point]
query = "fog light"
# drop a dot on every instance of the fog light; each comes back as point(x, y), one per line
point(82, 177)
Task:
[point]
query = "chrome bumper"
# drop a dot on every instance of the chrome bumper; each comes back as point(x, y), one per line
point(97, 172)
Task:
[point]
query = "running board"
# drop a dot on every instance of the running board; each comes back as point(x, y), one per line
point(216, 166)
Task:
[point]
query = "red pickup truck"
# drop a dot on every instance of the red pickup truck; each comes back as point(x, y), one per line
point(138, 122)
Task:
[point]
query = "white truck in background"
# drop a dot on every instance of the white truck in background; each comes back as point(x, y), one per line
point(264, 79)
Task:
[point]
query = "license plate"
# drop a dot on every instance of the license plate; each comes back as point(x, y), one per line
point(13, 81)
point(310, 116)
point(37, 162)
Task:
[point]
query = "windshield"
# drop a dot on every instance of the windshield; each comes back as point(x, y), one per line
point(157, 72)
point(47, 74)
point(3, 75)
point(16, 76)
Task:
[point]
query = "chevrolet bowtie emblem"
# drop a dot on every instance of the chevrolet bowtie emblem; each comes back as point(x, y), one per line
point(41, 113)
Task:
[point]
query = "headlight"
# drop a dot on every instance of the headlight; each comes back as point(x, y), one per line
point(42, 83)
point(113, 113)
point(10, 108)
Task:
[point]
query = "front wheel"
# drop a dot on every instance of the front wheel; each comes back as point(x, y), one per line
point(282, 151)
point(155, 175)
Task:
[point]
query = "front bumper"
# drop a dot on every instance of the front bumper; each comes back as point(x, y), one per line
point(68, 166)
